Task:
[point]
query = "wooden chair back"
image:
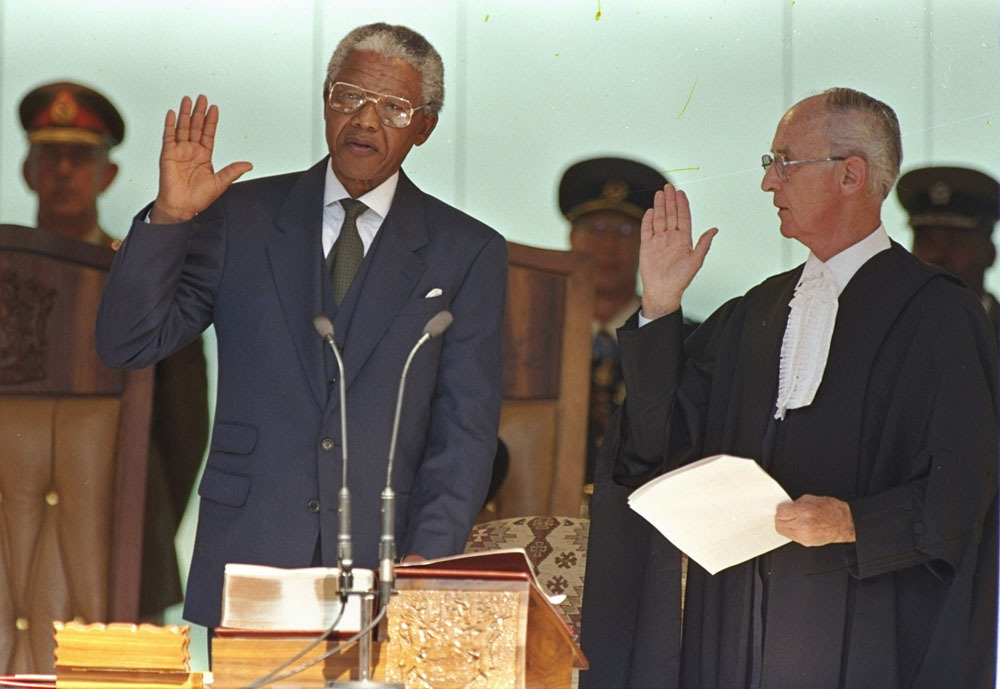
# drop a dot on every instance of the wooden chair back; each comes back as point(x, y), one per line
point(74, 436)
point(546, 381)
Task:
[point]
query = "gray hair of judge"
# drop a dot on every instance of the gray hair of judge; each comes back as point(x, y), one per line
point(862, 126)
point(395, 41)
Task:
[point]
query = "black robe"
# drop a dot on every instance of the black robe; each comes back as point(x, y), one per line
point(903, 427)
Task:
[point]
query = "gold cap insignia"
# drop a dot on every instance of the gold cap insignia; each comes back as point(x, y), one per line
point(939, 193)
point(615, 191)
point(64, 109)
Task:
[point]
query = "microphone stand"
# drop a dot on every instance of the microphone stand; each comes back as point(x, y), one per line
point(387, 543)
point(345, 555)
point(345, 550)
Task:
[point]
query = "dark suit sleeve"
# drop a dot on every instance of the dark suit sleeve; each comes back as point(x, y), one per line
point(160, 290)
point(450, 485)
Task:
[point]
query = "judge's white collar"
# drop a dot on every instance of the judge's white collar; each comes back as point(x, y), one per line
point(845, 264)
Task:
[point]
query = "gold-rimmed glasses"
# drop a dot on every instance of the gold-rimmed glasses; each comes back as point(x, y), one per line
point(392, 111)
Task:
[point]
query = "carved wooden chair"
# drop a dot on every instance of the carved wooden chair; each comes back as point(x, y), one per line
point(73, 447)
point(546, 382)
point(556, 546)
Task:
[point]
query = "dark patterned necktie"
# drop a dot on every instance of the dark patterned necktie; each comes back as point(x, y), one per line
point(348, 251)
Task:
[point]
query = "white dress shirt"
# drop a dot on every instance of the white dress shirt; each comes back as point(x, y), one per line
point(378, 200)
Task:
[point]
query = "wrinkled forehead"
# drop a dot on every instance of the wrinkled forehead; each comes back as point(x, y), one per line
point(376, 72)
point(801, 129)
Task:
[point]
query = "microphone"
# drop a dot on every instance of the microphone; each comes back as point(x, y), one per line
point(387, 544)
point(345, 550)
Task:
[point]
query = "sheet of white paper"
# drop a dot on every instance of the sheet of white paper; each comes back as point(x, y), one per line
point(718, 510)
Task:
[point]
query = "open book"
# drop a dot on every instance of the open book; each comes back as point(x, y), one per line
point(718, 510)
point(503, 560)
point(305, 599)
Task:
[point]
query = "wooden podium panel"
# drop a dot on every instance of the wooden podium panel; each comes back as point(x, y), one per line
point(546, 647)
point(447, 632)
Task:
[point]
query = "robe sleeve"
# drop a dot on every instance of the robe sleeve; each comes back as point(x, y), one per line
point(947, 389)
point(667, 382)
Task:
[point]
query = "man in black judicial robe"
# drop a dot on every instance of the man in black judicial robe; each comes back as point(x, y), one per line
point(891, 463)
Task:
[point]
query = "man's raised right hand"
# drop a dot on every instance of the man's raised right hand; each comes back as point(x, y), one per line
point(668, 260)
point(188, 182)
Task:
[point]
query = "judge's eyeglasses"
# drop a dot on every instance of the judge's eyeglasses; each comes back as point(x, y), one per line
point(781, 165)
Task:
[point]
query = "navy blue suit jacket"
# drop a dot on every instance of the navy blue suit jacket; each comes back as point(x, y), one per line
point(252, 265)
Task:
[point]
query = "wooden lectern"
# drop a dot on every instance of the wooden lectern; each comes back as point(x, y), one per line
point(472, 622)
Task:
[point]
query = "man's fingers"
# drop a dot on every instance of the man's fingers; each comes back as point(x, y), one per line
point(670, 206)
point(198, 118)
point(659, 213)
point(703, 245)
point(232, 172)
point(182, 132)
point(208, 130)
point(169, 135)
point(683, 213)
point(646, 227)
point(194, 122)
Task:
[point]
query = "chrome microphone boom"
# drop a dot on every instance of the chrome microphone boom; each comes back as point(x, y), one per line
point(345, 549)
point(387, 543)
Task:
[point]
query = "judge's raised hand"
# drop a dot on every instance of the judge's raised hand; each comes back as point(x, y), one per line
point(188, 182)
point(667, 259)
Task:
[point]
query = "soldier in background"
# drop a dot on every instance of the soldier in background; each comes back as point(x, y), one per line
point(71, 130)
point(604, 200)
point(952, 212)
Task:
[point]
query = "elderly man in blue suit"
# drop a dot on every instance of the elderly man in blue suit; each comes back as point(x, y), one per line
point(258, 260)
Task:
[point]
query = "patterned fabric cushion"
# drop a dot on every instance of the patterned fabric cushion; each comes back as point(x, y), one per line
point(556, 546)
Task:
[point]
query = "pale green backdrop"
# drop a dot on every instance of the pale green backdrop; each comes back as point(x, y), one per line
point(692, 87)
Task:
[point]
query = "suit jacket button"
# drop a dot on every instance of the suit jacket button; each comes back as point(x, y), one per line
point(327, 444)
point(313, 505)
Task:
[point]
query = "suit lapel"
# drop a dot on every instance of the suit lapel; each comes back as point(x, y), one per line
point(295, 254)
point(394, 271)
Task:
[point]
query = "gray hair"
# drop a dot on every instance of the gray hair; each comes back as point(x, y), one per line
point(395, 41)
point(860, 125)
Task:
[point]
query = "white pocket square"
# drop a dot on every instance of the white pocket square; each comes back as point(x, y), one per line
point(436, 292)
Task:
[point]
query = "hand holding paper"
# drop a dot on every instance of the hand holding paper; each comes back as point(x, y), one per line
point(719, 510)
point(813, 520)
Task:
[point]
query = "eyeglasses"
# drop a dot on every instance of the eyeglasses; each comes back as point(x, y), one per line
point(605, 228)
point(781, 165)
point(392, 111)
point(52, 155)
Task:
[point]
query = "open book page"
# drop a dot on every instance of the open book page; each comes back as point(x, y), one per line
point(503, 560)
point(305, 599)
point(718, 510)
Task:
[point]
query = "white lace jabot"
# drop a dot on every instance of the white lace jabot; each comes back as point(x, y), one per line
point(806, 344)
